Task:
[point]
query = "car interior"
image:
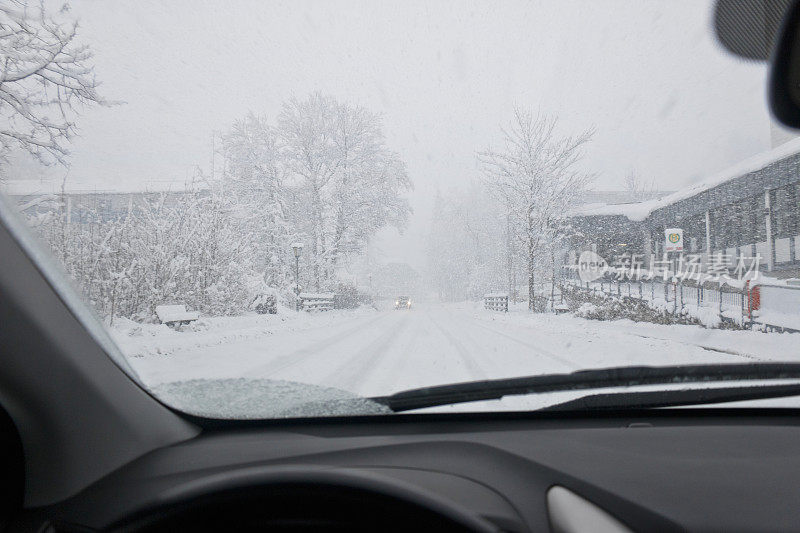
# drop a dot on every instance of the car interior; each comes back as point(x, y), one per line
point(85, 448)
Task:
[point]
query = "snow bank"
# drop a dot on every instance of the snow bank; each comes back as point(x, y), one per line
point(669, 342)
point(145, 340)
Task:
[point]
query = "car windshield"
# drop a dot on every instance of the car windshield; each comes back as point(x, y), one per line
point(288, 209)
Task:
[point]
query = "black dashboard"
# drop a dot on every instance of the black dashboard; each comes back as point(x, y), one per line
point(690, 469)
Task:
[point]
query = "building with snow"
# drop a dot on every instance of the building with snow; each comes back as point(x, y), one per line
point(83, 205)
point(750, 210)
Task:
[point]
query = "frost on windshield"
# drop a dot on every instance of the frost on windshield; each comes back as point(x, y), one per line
point(275, 213)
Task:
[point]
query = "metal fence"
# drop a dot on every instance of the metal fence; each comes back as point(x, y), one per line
point(496, 302)
point(316, 302)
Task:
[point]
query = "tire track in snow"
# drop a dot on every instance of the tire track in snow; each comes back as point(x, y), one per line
point(297, 357)
point(472, 365)
point(393, 375)
point(356, 369)
point(536, 349)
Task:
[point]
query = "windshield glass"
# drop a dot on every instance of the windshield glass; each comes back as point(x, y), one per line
point(287, 208)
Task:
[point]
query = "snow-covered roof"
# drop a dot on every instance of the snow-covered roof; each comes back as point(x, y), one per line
point(641, 210)
point(40, 187)
point(633, 211)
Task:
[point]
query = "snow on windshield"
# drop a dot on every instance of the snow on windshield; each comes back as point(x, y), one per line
point(280, 210)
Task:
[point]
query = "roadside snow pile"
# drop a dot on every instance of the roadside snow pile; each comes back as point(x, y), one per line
point(144, 340)
point(587, 310)
point(605, 307)
point(662, 343)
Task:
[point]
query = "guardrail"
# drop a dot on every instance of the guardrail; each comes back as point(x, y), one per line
point(496, 302)
point(316, 301)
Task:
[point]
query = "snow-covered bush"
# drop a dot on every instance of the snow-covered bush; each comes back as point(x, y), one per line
point(608, 307)
point(266, 304)
point(160, 252)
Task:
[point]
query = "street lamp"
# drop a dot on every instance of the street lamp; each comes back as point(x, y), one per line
point(297, 248)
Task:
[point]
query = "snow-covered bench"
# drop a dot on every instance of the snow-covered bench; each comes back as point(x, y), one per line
point(175, 315)
point(310, 301)
point(496, 302)
point(561, 308)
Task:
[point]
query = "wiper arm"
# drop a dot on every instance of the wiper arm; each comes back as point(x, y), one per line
point(605, 378)
point(674, 397)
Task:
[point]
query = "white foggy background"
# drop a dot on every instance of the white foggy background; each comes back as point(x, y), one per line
point(665, 100)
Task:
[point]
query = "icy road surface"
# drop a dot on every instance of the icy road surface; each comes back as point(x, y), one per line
point(370, 352)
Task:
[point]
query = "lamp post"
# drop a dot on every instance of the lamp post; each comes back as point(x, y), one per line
point(297, 248)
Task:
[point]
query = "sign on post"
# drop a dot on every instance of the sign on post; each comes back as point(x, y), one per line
point(673, 240)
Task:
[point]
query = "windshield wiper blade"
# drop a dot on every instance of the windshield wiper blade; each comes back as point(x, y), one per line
point(674, 397)
point(604, 378)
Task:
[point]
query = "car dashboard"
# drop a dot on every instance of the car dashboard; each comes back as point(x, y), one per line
point(671, 469)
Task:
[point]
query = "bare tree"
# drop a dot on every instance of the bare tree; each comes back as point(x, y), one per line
point(534, 174)
point(637, 188)
point(45, 78)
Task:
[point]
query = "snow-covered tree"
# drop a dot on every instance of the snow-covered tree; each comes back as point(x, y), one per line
point(46, 77)
point(306, 128)
point(322, 175)
point(465, 244)
point(254, 181)
point(347, 183)
point(368, 183)
point(534, 173)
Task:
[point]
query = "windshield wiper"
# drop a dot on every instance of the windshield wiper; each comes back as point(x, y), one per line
point(674, 397)
point(604, 378)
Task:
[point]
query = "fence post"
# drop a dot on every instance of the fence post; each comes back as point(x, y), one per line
point(746, 311)
point(675, 297)
point(743, 310)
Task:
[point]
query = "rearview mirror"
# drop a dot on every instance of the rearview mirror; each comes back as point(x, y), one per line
point(784, 75)
point(748, 28)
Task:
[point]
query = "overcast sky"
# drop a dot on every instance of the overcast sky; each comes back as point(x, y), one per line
point(649, 76)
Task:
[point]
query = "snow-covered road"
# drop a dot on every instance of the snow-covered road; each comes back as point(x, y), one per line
point(379, 352)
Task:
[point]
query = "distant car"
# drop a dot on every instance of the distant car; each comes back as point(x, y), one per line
point(402, 302)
